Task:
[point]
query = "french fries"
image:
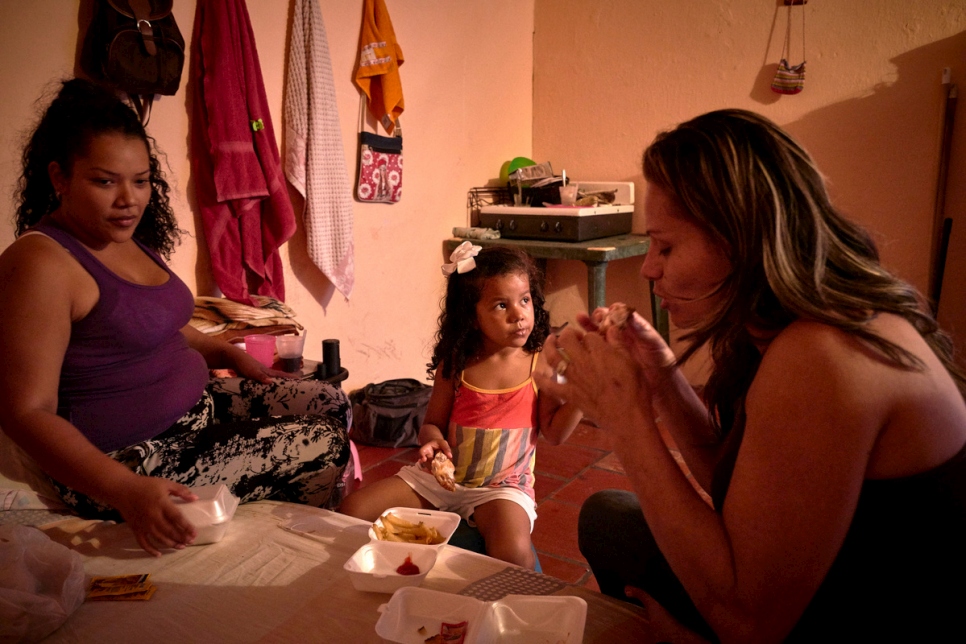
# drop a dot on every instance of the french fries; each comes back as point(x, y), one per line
point(391, 528)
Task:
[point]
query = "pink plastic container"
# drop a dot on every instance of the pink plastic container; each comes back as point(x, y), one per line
point(261, 347)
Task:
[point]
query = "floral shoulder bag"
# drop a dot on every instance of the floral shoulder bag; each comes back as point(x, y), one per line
point(380, 163)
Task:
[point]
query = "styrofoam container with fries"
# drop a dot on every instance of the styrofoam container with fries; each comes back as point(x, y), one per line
point(398, 534)
point(375, 566)
point(415, 526)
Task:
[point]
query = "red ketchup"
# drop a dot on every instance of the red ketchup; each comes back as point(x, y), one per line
point(408, 567)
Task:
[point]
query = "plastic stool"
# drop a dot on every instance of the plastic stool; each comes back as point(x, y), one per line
point(469, 538)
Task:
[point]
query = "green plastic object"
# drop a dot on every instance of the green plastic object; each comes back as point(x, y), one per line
point(509, 167)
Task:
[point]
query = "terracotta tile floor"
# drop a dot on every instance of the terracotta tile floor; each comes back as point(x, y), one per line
point(565, 476)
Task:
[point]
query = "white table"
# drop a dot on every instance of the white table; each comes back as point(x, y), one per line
point(269, 581)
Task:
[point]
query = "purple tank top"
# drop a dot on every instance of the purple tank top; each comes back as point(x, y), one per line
point(128, 373)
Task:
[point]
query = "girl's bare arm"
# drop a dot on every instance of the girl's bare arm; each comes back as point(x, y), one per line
point(432, 433)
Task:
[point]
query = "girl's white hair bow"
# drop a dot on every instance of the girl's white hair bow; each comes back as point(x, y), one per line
point(461, 259)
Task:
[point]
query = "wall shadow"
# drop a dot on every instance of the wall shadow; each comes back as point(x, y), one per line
point(891, 189)
point(761, 91)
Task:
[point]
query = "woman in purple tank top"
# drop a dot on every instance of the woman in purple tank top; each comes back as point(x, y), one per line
point(104, 383)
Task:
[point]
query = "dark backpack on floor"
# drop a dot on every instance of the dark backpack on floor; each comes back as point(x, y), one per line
point(390, 413)
point(135, 46)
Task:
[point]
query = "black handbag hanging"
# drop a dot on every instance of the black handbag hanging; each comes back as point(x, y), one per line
point(135, 46)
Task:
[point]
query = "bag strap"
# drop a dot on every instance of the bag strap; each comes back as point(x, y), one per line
point(142, 105)
point(156, 10)
point(787, 45)
point(363, 101)
point(142, 14)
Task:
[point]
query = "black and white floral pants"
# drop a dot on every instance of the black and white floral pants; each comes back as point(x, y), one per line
point(288, 440)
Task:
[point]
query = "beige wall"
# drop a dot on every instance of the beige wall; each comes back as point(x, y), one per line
point(609, 75)
point(467, 81)
point(582, 84)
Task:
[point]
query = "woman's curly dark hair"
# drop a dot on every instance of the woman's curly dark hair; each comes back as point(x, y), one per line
point(459, 337)
point(80, 111)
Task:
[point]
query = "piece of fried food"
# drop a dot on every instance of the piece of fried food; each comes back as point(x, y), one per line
point(616, 315)
point(389, 527)
point(444, 471)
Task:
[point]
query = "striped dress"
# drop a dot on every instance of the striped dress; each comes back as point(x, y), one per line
point(494, 435)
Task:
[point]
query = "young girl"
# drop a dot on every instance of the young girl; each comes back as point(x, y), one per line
point(485, 412)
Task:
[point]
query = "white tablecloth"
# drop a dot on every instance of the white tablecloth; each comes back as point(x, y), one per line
point(276, 576)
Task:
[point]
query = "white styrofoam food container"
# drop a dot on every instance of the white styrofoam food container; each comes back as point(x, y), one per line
point(445, 522)
point(373, 566)
point(515, 619)
point(210, 513)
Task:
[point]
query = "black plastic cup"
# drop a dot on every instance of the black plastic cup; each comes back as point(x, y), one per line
point(331, 362)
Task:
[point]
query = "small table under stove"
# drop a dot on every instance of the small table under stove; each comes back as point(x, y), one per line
point(594, 253)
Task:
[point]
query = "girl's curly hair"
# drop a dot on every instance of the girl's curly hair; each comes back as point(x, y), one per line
point(80, 111)
point(459, 337)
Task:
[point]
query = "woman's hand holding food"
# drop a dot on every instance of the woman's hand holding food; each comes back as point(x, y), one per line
point(600, 377)
point(633, 332)
point(146, 505)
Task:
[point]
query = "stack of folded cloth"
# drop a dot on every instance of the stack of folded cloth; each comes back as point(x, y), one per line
point(233, 320)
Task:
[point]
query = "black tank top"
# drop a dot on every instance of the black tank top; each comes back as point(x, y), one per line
point(901, 572)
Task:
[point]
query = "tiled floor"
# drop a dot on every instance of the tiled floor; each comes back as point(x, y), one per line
point(566, 475)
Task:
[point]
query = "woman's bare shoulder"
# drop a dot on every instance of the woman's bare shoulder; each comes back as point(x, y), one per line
point(817, 341)
point(812, 346)
point(814, 370)
point(36, 266)
point(35, 251)
point(840, 383)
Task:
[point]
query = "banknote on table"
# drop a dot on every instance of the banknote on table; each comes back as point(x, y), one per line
point(141, 595)
point(121, 588)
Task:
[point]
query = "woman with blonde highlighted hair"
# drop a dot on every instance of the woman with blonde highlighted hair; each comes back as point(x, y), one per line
point(832, 431)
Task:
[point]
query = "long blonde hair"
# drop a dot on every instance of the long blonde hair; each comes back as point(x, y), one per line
point(759, 193)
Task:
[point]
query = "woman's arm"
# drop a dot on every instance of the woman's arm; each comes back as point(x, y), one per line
point(44, 290)
point(556, 419)
point(675, 405)
point(221, 354)
point(751, 570)
point(680, 411)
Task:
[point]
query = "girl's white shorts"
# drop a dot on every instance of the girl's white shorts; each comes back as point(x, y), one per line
point(463, 500)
